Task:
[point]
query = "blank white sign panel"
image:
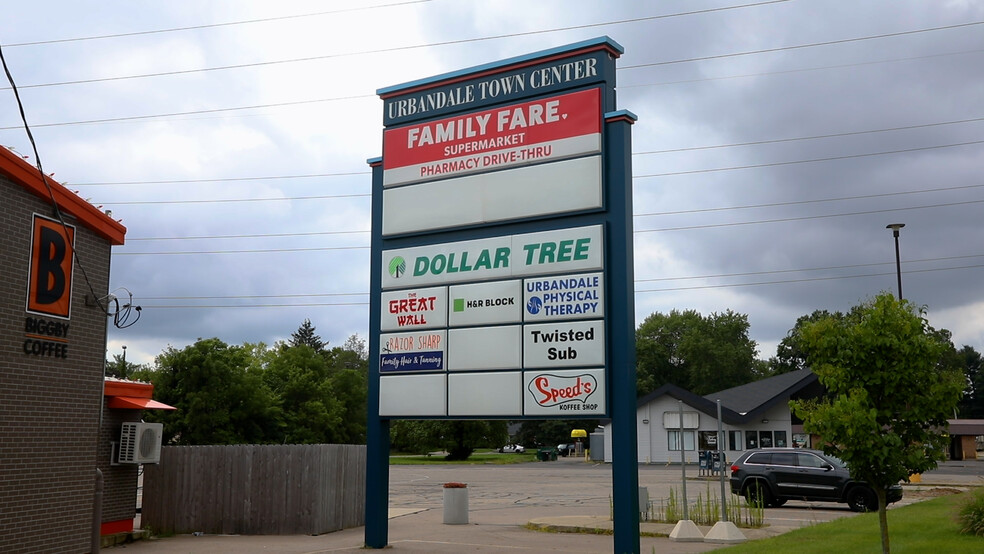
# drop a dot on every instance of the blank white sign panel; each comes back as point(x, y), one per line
point(485, 348)
point(485, 394)
point(413, 395)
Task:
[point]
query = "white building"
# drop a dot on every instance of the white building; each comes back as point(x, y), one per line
point(754, 415)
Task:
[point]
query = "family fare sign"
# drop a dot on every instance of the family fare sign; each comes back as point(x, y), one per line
point(520, 134)
point(565, 250)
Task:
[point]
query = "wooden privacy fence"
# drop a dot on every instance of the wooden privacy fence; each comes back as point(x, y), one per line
point(255, 489)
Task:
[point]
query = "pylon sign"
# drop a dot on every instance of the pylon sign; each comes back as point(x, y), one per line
point(490, 256)
point(501, 271)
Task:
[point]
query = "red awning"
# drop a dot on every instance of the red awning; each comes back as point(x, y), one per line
point(133, 403)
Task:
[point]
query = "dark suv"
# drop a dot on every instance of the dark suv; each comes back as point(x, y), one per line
point(774, 475)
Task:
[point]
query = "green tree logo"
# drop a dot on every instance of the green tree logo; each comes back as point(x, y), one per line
point(397, 266)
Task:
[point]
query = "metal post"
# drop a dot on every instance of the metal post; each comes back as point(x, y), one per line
point(724, 501)
point(898, 260)
point(683, 465)
point(625, 450)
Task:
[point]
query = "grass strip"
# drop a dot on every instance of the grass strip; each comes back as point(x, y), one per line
point(927, 526)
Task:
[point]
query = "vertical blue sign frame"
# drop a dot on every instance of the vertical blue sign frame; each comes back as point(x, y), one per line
point(550, 72)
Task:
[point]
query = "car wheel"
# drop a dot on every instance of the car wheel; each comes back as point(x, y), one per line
point(758, 494)
point(862, 500)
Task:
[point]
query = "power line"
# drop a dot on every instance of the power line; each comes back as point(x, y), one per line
point(637, 231)
point(212, 25)
point(231, 200)
point(304, 305)
point(634, 177)
point(799, 46)
point(526, 33)
point(787, 281)
point(805, 269)
point(195, 112)
point(800, 70)
point(799, 202)
point(670, 289)
point(804, 218)
point(640, 153)
point(366, 96)
point(811, 137)
point(255, 251)
point(715, 276)
point(649, 214)
point(258, 235)
point(811, 160)
point(225, 179)
point(246, 296)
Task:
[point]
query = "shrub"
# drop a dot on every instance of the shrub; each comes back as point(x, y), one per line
point(971, 515)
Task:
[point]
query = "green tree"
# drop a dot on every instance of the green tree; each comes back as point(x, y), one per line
point(298, 376)
point(789, 354)
point(458, 438)
point(697, 353)
point(219, 395)
point(972, 404)
point(119, 367)
point(890, 392)
point(305, 336)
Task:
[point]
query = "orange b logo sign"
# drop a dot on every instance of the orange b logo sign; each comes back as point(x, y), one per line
point(49, 289)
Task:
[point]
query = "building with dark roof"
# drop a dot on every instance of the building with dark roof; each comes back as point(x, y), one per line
point(753, 415)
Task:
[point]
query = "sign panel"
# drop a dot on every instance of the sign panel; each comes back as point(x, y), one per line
point(485, 348)
point(541, 130)
point(564, 297)
point(485, 303)
point(413, 395)
point(402, 105)
point(49, 289)
point(418, 351)
point(414, 309)
point(578, 343)
point(564, 392)
point(548, 252)
point(556, 188)
point(485, 394)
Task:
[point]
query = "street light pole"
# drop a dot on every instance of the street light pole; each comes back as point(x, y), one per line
point(898, 262)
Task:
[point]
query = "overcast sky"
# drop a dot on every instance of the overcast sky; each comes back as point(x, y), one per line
point(775, 142)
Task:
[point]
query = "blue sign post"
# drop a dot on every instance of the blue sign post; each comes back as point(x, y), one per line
point(502, 241)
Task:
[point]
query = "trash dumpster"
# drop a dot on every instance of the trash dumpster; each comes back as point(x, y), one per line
point(546, 454)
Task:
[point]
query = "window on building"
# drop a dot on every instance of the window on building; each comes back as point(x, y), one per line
point(708, 440)
point(765, 439)
point(673, 439)
point(781, 439)
point(734, 440)
point(751, 440)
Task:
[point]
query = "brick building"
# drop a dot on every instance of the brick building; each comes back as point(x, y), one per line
point(52, 352)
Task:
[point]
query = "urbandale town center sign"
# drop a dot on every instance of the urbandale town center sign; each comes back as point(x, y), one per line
point(501, 283)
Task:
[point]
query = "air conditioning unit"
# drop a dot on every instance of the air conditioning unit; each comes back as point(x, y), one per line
point(140, 443)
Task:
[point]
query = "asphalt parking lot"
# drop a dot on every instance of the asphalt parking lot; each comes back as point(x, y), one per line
point(504, 498)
